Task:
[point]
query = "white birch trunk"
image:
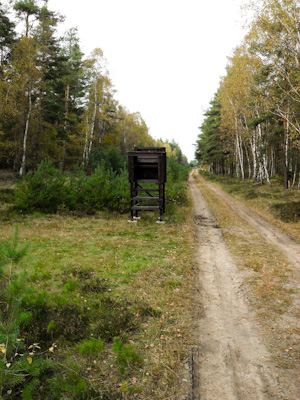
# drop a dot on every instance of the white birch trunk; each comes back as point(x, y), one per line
point(263, 159)
point(285, 150)
point(236, 163)
point(238, 142)
point(258, 151)
point(272, 167)
point(266, 170)
point(287, 144)
point(23, 163)
point(240, 154)
point(93, 120)
point(253, 142)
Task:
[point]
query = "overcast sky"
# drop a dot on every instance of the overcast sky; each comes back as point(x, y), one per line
point(165, 57)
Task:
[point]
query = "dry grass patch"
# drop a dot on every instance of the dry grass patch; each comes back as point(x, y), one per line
point(277, 205)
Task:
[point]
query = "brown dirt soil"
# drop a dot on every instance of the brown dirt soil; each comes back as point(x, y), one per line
point(233, 362)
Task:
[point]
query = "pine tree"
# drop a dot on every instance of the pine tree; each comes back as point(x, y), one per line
point(7, 38)
point(210, 149)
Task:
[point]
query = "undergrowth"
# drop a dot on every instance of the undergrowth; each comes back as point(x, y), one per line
point(51, 190)
point(101, 310)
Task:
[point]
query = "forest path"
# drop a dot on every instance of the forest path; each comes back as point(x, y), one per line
point(233, 362)
point(272, 234)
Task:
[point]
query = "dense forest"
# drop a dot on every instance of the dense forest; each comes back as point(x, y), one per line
point(252, 127)
point(55, 103)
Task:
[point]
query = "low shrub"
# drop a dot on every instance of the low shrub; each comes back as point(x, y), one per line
point(177, 172)
point(106, 189)
point(48, 189)
point(51, 190)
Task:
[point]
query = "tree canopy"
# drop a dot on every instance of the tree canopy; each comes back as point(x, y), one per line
point(256, 131)
point(55, 102)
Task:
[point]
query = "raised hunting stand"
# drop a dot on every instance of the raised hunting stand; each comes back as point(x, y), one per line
point(147, 167)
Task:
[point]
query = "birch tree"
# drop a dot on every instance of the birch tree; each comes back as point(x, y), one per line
point(98, 101)
point(27, 78)
point(275, 38)
point(234, 97)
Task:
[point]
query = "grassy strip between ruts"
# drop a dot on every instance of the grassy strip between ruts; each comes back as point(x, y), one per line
point(115, 318)
point(279, 206)
point(268, 276)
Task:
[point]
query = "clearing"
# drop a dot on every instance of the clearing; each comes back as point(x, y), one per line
point(249, 287)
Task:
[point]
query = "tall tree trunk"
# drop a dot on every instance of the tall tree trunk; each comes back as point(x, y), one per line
point(285, 152)
point(262, 159)
point(67, 100)
point(272, 167)
point(93, 120)
point(237, 163)
point(240, 154)
point(253, 142)
point(240, 159)
point(249, 164)
point(23, 163)
point(295, 157)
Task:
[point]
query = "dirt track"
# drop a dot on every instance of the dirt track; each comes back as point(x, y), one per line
point(233, 361)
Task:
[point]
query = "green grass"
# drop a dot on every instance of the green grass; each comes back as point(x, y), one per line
point(95, 279)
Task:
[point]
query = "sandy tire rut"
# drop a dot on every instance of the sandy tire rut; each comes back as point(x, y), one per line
point(232, 361)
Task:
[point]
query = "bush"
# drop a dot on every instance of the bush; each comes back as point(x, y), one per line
point(177, 172)
point(107, 190)
point(51, 190)
point(176, 187)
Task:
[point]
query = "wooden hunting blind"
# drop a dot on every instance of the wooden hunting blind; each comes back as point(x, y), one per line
point(147, 167)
